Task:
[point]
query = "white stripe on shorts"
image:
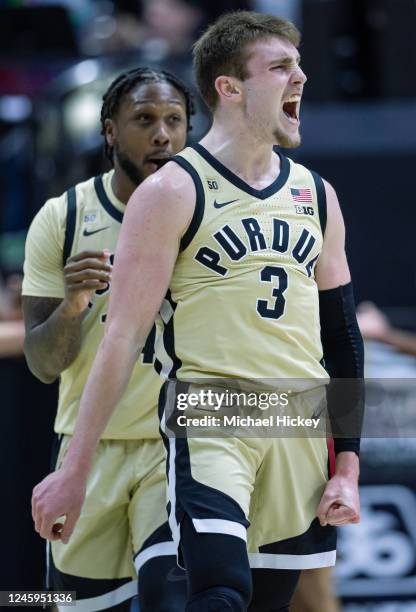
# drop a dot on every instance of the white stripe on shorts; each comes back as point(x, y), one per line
point(162, 549)
point(102, 602)
point(292, 562)
point(220, 526)
point(174, 527)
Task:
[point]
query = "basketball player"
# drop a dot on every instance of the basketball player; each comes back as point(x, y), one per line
point(69, 253)
point(233, 241)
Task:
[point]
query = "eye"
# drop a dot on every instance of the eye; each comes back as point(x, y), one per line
point(143, 118)
point(175, 118)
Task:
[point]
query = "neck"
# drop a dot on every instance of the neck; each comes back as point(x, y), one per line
point(121, 185)
point(239, 149)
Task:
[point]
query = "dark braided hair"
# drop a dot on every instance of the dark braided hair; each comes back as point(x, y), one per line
point(125, 83)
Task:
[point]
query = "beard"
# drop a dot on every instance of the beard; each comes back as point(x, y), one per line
point(285, 140)
point(130, 169)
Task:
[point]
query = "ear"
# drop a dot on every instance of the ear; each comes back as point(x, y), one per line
point(228, 88)
point(110, 130)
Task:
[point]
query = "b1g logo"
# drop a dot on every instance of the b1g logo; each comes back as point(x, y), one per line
point(304, 210)
point(378, 556)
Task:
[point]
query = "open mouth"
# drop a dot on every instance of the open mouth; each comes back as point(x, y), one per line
point(291, 111)
point(158, 161)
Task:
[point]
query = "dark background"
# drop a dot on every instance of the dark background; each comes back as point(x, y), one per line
point(359, 132)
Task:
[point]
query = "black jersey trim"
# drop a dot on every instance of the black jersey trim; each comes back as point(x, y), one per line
point(199, 204)
point(261, 194)
point(169, 339)
point(316, 539)
point(85, 588)
point(105, 200)
point(71, 220)
point(321, 194)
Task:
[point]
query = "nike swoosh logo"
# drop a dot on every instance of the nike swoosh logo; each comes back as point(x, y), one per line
point(87, 233)
point(176, 574)
point(218, 205)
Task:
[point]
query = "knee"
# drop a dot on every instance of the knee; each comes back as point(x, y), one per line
point(219, 599)
point(234, 594)
point(162, 586)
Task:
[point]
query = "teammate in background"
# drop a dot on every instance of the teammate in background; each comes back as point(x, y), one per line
point(235, 236)
point(69, 254)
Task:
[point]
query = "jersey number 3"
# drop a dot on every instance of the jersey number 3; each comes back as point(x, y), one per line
point(277, 276)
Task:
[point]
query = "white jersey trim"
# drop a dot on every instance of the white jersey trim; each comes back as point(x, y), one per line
point(108, 600)
point(292, 562)
point(174, 527)
point(162, 549)
point(220, 526)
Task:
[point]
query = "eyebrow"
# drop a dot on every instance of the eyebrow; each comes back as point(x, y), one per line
point(153, 103)
point(285, 60)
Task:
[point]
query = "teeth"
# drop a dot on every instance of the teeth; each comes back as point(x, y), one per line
point(293, 99)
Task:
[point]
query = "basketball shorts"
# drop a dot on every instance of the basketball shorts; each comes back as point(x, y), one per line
point(263, 490)
point(123, 524)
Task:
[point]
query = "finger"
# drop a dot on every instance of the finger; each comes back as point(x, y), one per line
point(34, 506)
point(340, 515)
point(69, 526)
point(37, 517)
point(46, 526)
point(88, 285)
point(102, 254)
point(347, 521)
point(96, 264)
point(322, 510)
point(87, 274)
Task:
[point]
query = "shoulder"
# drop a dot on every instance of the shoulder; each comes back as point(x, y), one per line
point(173, 177)
point(51, 216)
point(170, 193)
point(333, 207)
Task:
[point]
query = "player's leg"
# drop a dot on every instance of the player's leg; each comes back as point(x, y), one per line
point(285, 533)
point(96, 562)
point(162, 584)
point(209, 485)
point(315, 592)
point(217, 570)
point(273, 590)
point(93, 593)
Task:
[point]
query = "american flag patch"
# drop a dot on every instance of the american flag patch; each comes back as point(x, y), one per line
point(301, 194)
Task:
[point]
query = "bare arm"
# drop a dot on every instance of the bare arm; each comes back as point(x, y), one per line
point(12, 334)
point(332, 268)
point(156, 217)
point(375, 325)
point(53, 325)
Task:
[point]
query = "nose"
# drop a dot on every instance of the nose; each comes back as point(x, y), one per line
point(298, 76)
point(161, 136)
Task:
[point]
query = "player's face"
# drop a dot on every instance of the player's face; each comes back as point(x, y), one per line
point(150, 127)
point(273, 91)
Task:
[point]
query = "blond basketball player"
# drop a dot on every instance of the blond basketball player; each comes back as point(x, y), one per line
point(242, 252)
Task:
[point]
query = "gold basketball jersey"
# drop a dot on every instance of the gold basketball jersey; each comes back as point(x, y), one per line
point(88, 217)
point(243, 301)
